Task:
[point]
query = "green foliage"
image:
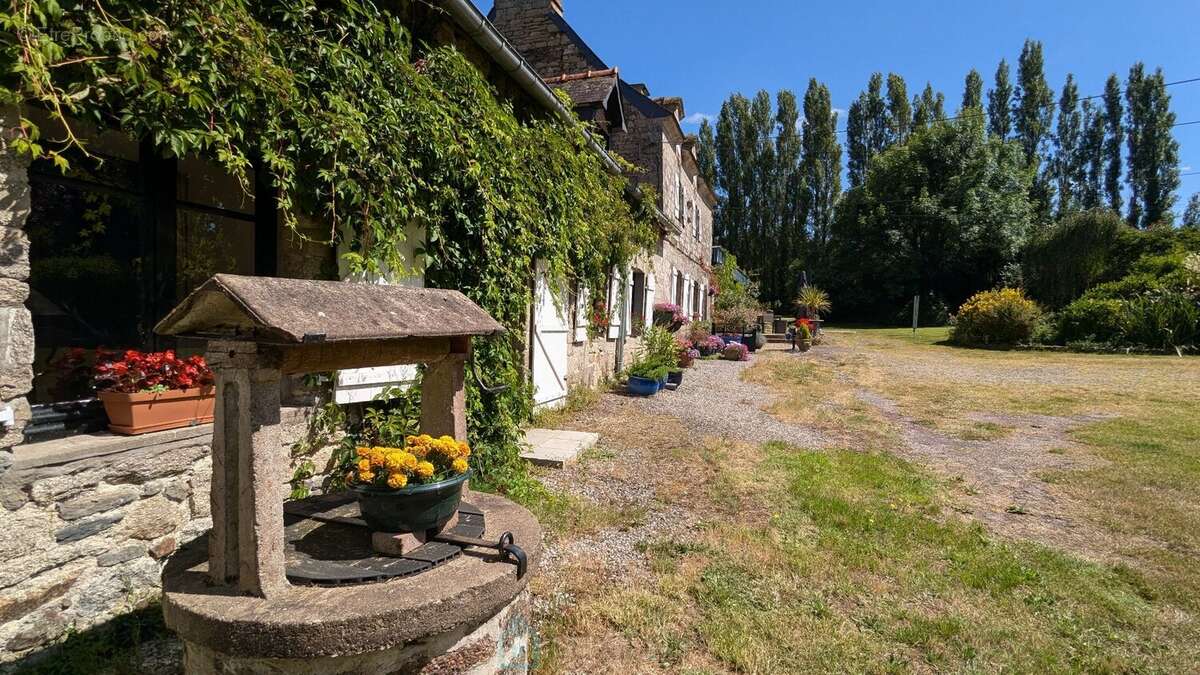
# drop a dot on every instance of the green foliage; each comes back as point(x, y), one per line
point(1002, 317)
point(1000, 103)
point(942, 214)
point(1091, 320)
point(1153, 150)
point(737, 304)
point(1064, 260)
point(813, 301)
point(659, 346)
point(336, 102)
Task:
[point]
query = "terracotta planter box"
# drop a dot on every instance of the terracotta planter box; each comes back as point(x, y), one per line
point(133, 414)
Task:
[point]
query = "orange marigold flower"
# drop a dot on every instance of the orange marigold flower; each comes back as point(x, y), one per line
point(364, 465)
point(460, 466)
point(366, 476)
point(397, 481)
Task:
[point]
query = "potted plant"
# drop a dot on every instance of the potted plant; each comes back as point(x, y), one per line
point(812, 302)
point(674, 378)
point(736, 351)
point(804, 335)
point(669, 315)
point(646, 377)
point(416, 488)
point(144, 392)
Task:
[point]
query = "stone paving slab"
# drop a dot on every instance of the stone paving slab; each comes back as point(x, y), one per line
point(555, 448)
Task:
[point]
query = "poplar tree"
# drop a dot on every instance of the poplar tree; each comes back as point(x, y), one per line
point(1069, 166)
point(731, 223)
point(900, 114)
point(1191, 215)
point(1033, 107)
point(867, 129)
point(1114, 142)
point(972, 92)
point(706, 154)
point(785, 202)
point(928, 108)
point(821, 164)
point(1153, 151)
point(1091, 153)
point(1000, 104)
point(1033, 111)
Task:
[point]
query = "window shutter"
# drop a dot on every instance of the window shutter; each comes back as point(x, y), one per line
point(614, 299)
point(649, 300)
point(580, 325)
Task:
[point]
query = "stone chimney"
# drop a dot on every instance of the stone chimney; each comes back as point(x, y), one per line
point(504, 9)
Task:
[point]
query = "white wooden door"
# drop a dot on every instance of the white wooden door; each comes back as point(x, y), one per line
point(551, 335)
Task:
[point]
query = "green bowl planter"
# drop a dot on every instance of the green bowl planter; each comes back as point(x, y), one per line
point(675, 377)
point(417, 508)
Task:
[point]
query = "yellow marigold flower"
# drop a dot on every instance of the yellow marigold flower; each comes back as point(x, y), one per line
point(364, 465)
point(425, 439)
point(397, 481)
point(362, 452)
point(366, 476)
point(424, 470)
point(410, 462)
point(378, 458)
point(447, 439)
point(464, 450)
point(409, 440)
point(460, 466)
point(395, 461)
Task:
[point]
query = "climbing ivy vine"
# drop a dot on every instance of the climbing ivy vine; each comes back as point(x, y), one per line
point(355, 124)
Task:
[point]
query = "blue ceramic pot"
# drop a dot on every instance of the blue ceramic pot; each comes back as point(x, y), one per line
point(641, 386)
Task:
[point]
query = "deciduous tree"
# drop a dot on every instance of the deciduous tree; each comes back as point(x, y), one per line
point(1000, 103)
point(1153, 150)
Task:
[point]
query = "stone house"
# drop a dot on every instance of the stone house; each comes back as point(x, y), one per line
point(647, 132)
point(97, 257)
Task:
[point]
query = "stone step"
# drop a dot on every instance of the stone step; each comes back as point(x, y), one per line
point(556, 448)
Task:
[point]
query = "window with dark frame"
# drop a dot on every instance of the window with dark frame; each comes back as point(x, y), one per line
point(115, 243)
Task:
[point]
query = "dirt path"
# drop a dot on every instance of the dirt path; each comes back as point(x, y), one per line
point(999, 482)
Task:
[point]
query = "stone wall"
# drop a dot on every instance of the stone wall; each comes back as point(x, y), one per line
point(16, 323)
point(537, 30)
point(89, 522)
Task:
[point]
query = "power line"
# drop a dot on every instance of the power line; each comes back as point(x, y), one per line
point(983, 113)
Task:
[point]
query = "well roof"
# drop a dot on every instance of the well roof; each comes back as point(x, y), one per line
point(296, 311)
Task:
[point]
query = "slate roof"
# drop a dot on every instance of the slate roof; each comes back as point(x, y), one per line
point(295, 311)
point(588, 89)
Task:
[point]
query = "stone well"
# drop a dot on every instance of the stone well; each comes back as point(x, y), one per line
point(304, 591)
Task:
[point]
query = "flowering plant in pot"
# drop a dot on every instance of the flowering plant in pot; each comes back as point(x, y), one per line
point(736, 351)
point(153, 391)
point(416, 488)
point(669, 316)
point(804, 335)
point(710, 346)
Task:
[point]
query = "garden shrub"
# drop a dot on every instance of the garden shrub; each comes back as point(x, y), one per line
point(1001, 317)
point(1163, 320)
point(1092, 320)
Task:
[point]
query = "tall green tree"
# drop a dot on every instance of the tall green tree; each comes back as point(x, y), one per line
point(785, 203)
point(1191, 215)
point(972, 92)
point(1091, 154)
point(1033, 107)
point(1153, 150)
point(866, 129)
point(706, 154)
point(731, 224)
point(940, 216)
point(1033, 112)
point(1114, 142)
point(1070, 167)
point(900, 114)
point(999, 107)
point(821, 165)
point(928, 108)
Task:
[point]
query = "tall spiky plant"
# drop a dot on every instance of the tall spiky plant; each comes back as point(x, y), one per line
point(813, 301)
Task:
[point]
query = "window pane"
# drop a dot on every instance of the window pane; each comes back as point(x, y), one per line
point(86, 269)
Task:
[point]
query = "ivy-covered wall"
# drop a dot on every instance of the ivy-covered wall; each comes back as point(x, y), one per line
point(372, 118)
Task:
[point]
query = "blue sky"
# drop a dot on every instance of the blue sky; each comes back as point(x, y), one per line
point(705, 50)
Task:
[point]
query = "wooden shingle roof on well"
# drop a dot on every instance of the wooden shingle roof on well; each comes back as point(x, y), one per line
point(296, 311)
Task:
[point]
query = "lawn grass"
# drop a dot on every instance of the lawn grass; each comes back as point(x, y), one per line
point(853, 571)
point(846, 560)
